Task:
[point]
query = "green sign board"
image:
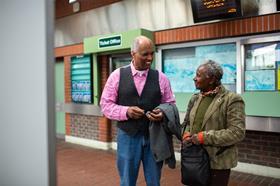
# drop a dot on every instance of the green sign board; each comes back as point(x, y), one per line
point(110, 41)
point(114, 42)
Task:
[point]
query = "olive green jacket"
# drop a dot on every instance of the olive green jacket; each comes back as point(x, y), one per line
point(223, 126)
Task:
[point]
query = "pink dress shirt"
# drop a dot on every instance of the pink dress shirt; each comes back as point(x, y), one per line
point(112, 110)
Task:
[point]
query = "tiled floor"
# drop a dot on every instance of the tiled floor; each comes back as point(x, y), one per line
point(83, 166)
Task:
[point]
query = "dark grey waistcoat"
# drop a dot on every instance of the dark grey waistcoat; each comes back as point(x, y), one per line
point(128, 96)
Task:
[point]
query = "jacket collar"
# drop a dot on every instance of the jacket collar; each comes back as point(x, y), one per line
point(217, 101)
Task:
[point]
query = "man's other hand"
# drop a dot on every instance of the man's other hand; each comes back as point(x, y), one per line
point(156, 115)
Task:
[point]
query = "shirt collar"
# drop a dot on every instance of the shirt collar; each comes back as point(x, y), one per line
point(138, 72)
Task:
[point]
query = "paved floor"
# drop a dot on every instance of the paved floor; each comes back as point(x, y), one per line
point(84, 166)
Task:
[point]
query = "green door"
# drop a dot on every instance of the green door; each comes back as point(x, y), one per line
point(59, 98)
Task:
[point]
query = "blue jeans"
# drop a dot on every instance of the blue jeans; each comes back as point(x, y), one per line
point(131, 151)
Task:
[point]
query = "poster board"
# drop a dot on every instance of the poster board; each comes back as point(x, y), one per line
point(181, 70)
point(81, 79)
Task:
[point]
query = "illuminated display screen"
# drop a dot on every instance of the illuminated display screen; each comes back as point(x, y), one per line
point(206, 10)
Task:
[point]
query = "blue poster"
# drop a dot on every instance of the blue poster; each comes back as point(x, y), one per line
point(181, 72)
point(181, 69)
point(260, 80)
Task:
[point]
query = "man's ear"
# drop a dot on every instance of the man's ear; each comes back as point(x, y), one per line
point(132, 54)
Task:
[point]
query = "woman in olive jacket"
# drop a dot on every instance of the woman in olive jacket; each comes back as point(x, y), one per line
point(215, 118)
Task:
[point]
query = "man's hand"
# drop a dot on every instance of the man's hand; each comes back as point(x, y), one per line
point(155, 116)
point(135, 112)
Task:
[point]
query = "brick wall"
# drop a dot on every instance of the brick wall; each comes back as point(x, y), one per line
point(84, 126)
point(223, 29)
point(105, 130)
point(67, 92)
point(262, 148)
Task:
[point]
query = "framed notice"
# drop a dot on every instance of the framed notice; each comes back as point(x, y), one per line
point(81, 81)
point(206, 10)
point(260, 80)
point(180, 65)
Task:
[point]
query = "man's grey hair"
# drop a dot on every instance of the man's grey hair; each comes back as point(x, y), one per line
point(136, 43)
point(213, 69)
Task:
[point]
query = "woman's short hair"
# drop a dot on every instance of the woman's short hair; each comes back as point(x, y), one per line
point(213, 69)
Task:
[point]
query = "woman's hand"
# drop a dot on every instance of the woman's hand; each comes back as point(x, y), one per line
point(195, 138)
point(186, 137)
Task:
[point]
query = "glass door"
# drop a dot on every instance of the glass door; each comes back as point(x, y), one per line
point(119, 60)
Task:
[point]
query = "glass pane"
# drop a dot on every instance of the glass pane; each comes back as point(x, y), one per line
point(260, 56)
point(260, 66)
point(180, 64)
point(231, 87)
point(83, 65)
point(120, 61)
point(80, 71)
point(260, 80)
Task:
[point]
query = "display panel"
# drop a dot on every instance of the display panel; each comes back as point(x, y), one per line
point(206, 10)
point(261, 66)
point(259, 80)
point(180, 65)
point(81, 79)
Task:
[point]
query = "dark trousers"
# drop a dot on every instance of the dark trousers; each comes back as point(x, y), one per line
point(219, 177)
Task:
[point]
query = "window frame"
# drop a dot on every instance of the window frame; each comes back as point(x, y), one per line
point(252, 41)
point(240, 52)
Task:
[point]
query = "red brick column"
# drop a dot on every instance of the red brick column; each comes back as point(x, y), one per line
point(67, 92)
point(105, 127)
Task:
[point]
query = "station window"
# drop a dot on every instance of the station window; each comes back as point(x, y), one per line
point(118, 61)
point(262, 64)
point(180, 65)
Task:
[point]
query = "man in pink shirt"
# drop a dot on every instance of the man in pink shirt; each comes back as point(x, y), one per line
point(130, 95)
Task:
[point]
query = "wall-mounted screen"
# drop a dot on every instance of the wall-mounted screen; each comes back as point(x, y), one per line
point(278, 5)
point(206, 10)
point(81, 79)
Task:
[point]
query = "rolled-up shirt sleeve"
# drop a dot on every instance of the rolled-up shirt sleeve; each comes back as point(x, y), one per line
point(108, 104)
